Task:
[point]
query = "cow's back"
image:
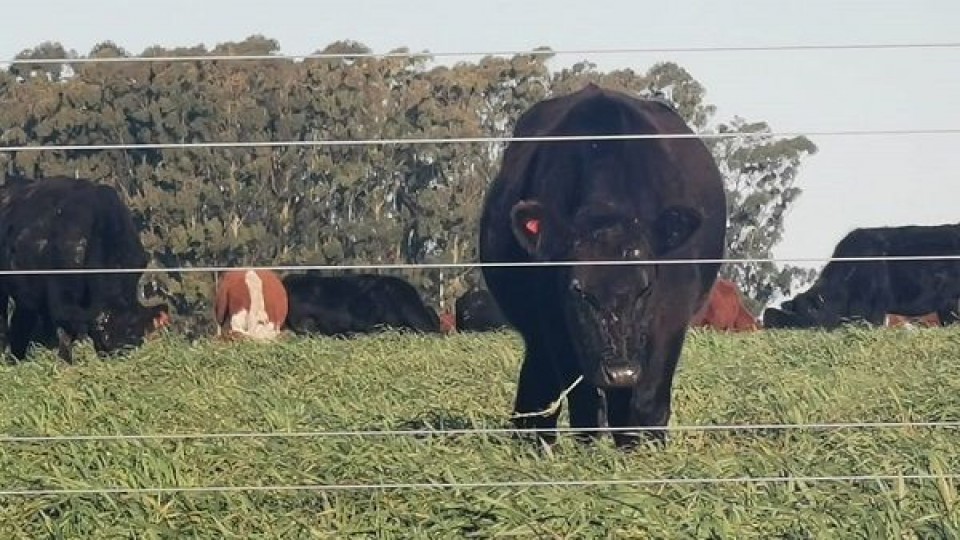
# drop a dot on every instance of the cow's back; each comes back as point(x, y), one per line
point(328, 305)
point(399, 304)
point(356, 303)
point(251, 303)
point(724, 310)
point(908, 287)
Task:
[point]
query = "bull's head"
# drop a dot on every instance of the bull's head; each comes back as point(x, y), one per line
point(127, 327)
point(154, 314)
point(781, 318)
point(810, 308)
point(813, 308)
point(609, 308)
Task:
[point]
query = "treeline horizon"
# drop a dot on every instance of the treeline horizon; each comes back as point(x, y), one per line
point(330, 205)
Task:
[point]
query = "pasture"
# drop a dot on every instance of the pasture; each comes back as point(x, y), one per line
point(394, 381)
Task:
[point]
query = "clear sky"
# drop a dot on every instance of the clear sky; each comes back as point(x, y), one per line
point(853, 181)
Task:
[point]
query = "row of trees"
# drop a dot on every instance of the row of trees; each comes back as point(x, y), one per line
point(397, 203)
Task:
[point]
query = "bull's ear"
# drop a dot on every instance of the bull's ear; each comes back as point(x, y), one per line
point(529, 224)
point(674, 227)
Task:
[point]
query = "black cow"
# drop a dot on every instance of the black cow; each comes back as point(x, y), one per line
point(360, 303)
point(850, 291)
point(477, 311)
point(66, 223)
point(621, 327)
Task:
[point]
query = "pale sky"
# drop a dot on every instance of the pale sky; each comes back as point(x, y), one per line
point(854, 181)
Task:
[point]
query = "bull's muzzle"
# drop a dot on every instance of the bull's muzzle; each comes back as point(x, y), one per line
point(617, 375)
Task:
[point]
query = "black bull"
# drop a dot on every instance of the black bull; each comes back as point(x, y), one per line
point(621, 327)
point(66, 223)
point(848, 291)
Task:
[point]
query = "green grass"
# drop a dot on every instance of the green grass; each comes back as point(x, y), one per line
point(404, 382)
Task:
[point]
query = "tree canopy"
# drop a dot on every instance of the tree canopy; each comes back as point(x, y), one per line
point(385, 203)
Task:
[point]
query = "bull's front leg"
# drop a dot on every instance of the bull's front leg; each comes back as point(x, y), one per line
point(586, 408)
point(64, 345)
point(642, 407)
point(22, 330)
point(648, 404)
point(537, 388)
point(4, 325)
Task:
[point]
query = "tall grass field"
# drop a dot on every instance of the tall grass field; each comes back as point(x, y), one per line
point(404, 382)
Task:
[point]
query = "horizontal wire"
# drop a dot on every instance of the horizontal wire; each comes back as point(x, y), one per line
point(519, 484)
point(506, 52)
point(467, 140)
point(8, 439)
point(639, 482)
point(415, 266)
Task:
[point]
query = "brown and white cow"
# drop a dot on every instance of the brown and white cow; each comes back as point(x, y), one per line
point(251, 304)
point(930, 320)
point(724, 310)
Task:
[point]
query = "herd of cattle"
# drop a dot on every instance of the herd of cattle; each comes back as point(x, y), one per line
point(619, 328)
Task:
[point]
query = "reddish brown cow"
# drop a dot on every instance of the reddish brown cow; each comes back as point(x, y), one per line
point(724, 310)
point(251, 304)
point(930, 320)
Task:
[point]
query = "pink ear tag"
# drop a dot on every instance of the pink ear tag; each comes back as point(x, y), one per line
point(532, 226)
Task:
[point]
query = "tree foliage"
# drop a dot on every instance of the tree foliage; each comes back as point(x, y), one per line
point(341, 204)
